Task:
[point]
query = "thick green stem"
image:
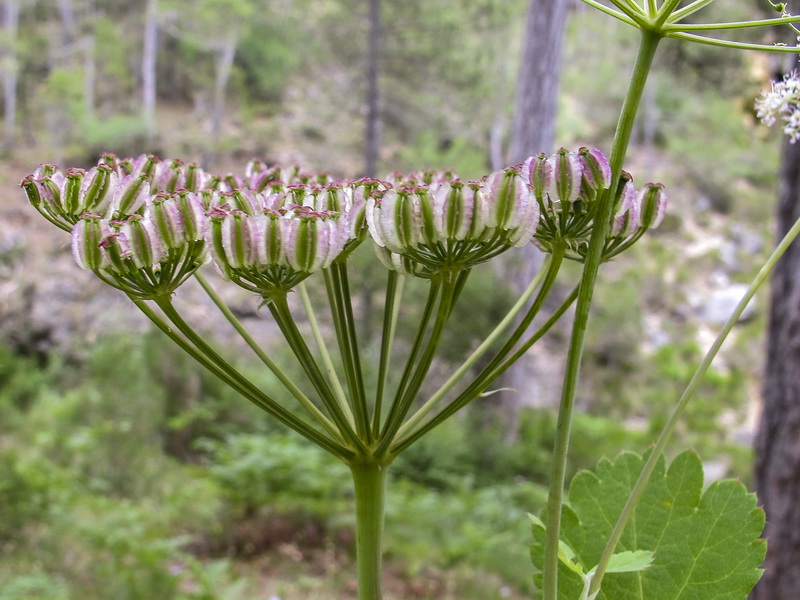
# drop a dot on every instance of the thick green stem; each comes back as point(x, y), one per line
point(644, 61)
point(369, 478)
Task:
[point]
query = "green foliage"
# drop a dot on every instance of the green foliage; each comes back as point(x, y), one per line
point(24, 497)
point(464, 156)
point(442, 460)
point(21, 380)
point(268, 54)
point(34, 586)
point(122, 135)
point(705, 544)
point(280, 471)
point(613, 354)
point(481, 527)
point(733, 167)
point(90, 506)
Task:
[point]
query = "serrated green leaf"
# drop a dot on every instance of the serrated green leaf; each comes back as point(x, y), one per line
point(630, 562)
point(705, 545)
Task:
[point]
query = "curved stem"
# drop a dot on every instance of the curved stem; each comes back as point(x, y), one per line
point(729, 44)
point(629, 7)
point(456, 377)
point(239, 383)
point(433, 294)
point(665, 12)
point(644, 60)
point(732, 25)
point(268, 362)
point(688, 10)
point(279, 308)
point(611, 12)
point(468, 396)
point(669, 427)
point(403, 403)
point(394, 291)
point(326, 357)
point(511, 359)
point(553, 267)
point(338, 287)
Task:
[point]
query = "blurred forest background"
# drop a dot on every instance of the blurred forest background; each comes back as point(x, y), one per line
point(127, 473)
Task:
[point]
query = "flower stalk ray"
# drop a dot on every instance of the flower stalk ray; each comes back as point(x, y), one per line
point(665, 21)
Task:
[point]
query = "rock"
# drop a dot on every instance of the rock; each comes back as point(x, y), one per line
point(720, 303)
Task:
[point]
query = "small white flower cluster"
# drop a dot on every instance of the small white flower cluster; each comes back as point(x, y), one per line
point(783, 101)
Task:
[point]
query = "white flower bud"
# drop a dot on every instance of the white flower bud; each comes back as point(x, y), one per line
point(88, 233)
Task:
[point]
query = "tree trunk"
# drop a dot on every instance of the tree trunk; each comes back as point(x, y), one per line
point(149, 56)
point(533, 132)
point(778, 439)
point(777, 476)
point(89, 69)
point(497, 132)
point(68, 27)
point(9, 69)
point(372, 141)
point(537, 88)
point(223, 66)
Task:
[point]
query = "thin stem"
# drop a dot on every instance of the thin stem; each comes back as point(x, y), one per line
point(610, 11)
point(471, 393)
point(732, 25)
point(427, 312)
point(664, 12)
point(628, 6)
point(687, 395)
point(689, 37)
point(279, 308)
point(490, 371)
point(369, 479)
point(456, 377)
point(348, 345)
point(239, 383)
point(689, 10)
point(394, 291)
point(512, 358)
point(553, 266)
point(635, 13)
point(268, 362)
point(326, 357)
point(644, 60)
point(450, 292)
